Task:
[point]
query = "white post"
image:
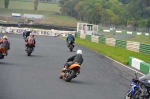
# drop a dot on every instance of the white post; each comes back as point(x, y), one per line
point(77, 27)
point(86, 28)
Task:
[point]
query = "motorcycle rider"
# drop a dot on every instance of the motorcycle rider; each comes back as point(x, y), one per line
point(30, 40)
point(75, 58)
point(24, 34)
point(70, 37)
point(28, 33)
point(143, 87)
point(5, 43)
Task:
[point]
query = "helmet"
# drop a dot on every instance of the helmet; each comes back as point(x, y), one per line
point(31, 34)
point(79, 52)
point(5, 37)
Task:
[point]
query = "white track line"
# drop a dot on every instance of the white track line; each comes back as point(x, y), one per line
point(112, 59)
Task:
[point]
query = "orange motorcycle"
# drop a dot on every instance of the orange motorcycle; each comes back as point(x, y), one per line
point(71, 73)
point(2, 52)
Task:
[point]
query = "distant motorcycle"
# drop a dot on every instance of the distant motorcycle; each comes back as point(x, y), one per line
point(135, 90)
point(24, 37)
point(71, 45)
point(68, 75)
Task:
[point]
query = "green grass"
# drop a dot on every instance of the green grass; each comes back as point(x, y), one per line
point(46, 9)
point(139, 38)
point(119, 54)
point(30, 6)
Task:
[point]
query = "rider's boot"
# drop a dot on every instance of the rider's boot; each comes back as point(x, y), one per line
point(60, 76)
point(66, 68)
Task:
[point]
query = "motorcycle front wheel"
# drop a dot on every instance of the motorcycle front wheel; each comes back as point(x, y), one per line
point(128, 95)
point(29, 51)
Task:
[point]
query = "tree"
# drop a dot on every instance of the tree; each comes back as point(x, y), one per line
point(6, 3)
point(35, 4)
point(124, 1)
point(148, 23)
point(118, 12)
point(134, 10)
point(79, 9)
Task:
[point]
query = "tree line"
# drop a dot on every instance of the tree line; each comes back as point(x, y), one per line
point(118, 12)
point(6, 4)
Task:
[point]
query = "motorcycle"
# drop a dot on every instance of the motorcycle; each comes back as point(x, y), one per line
point(29, 49)
point(71, 45)
point(24, 37)
point(70, 74)
point(135, 90)
point(2, 52)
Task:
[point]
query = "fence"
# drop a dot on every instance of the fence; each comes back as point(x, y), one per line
point(124, 28)
point(129, 45)
point(52, 32)
point(42, 26)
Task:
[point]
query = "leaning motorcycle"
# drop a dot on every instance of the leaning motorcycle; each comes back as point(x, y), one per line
point(135, 90)
point(2, 52)
point(71, 45)
point(29, 49)
point(71, 73)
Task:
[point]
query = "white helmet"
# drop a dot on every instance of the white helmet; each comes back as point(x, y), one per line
point(79, 52)
point(31, 34)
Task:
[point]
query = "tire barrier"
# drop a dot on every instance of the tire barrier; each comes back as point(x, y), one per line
point(129, 45)
point(42, 26)
point(139, 65)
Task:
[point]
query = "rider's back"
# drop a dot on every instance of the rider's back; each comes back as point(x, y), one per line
point(78, 58)
point(70, 37)
point(145, 77)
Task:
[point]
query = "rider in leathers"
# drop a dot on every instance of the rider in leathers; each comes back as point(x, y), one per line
point(70, 37)
point(28, 41)
point(76, 58)
point(143, 88)
point(5, 43)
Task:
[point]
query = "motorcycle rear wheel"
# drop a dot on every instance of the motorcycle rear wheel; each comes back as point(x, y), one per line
point(72, 75)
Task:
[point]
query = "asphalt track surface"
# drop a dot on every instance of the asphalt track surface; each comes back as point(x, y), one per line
point(37, 76)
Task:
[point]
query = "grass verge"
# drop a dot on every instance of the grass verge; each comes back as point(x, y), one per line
point(137, 38)
point(119, 54)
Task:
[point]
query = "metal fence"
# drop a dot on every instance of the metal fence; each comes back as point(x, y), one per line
point(125, 28)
